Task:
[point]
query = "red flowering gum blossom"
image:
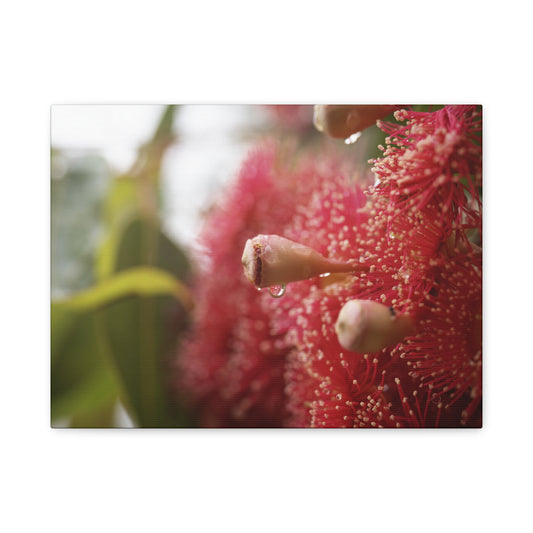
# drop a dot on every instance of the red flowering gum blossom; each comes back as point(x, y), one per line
point(257, 361)
point(231, 368)
point(423, 265)
point(434, 156)
point(445, 357)
point(341, 121)
point(270, 260)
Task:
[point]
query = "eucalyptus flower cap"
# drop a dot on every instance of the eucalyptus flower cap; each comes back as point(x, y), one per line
point(273, 260)
point(341, 121)
point(365, 326)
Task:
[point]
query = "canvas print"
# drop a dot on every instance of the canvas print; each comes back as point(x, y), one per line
point(266, 266)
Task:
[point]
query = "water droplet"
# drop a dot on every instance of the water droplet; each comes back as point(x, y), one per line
point(277, 291)
point(352, 138)
point(405, 273)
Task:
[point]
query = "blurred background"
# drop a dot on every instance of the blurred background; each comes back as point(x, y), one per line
point(93, 144)
point(129, 187)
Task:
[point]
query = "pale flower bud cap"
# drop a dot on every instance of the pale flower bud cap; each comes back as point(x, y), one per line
point(270, 260)
point(365, 326)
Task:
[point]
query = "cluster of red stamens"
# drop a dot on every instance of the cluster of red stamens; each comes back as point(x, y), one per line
point(390, 339)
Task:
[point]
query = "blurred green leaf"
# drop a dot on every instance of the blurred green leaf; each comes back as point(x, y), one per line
point(119, 209)
point(103, 417)
point(145, 281)
point(131, 211)
point(147, 167)
point(112, 340)
point(121, 197)
point(143, 243)
point(81, 380)
point(140, 339)
point(140, 330)
point(164, 131)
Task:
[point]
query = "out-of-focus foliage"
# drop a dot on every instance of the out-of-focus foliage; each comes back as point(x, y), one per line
point(109, 341)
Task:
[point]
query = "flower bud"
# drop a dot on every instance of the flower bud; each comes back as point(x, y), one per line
point(270, 260)
point(365, 326)
point(341, 121)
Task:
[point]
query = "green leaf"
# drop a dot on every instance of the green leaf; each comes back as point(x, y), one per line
point(81, 379)
point(96, 418)
point(108, 340)
point(113, 338)
point(135, 194)
point(138, 329)
point(164, 130)
point(119, 334)
point(119, 209)
point(145, 281)
point(140, 340)
point(143, 243)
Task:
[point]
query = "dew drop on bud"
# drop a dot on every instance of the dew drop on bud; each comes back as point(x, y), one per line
point(405, 274)
point(352, 138)
point(277, 291)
